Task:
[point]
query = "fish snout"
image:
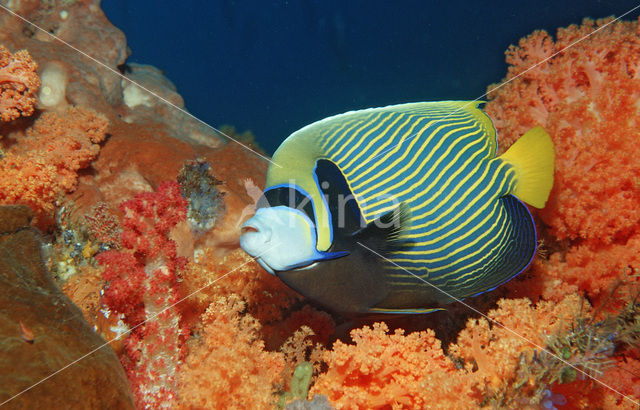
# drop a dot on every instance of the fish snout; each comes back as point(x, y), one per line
point(251, 228)
point(255, 237)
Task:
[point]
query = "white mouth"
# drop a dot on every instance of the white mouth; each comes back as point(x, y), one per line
point(247, 227)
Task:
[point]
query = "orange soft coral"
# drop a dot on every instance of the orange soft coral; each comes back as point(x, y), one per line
point(513, 372)
point(44, 164)
point(18, 84)
point(393, 371)
point(587, 98)
point(228, 366)
point(267, 297)
point(625, 376)
point(607, 275)
point(496, 350)
point(502, 366)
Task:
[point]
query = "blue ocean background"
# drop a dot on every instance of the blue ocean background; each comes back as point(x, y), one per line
point(274, 66)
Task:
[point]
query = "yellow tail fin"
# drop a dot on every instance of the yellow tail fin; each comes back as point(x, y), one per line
point(533, 157)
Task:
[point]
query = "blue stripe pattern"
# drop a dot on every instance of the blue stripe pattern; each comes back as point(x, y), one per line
point(466, 234)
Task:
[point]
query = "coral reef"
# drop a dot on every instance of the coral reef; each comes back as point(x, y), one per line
point(124, 183)
point(62, 165)
point(81, 24)
point(383, 370)
point(520, 356)
point(502, 350)
point(590, 233)
point(266, 296)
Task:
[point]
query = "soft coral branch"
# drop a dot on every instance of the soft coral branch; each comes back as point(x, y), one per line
point(18, 84)
point(44, 164)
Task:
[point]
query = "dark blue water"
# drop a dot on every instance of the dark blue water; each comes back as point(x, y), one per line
point(275, 66)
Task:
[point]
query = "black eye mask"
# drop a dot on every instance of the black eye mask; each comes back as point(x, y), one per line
point(287, 196)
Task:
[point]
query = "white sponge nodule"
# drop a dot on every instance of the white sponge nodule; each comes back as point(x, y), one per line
point(53, 86)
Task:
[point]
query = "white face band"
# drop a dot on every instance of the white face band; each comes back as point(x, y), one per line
point(281, 238)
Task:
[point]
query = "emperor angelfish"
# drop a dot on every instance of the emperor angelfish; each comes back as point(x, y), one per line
point(400, 209)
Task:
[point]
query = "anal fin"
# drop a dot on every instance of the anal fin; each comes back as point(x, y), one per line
point(418, 311)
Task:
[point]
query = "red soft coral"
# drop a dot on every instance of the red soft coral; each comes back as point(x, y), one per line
point(43, 165)
point(18, 84)
point(143, 288)
point(625, 376)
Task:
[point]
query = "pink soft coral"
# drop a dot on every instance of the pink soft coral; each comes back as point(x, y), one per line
point(143, 288)
point(18, 84)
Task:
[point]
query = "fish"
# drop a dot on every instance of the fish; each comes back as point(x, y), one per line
point(26, 333)
point(402, 209)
